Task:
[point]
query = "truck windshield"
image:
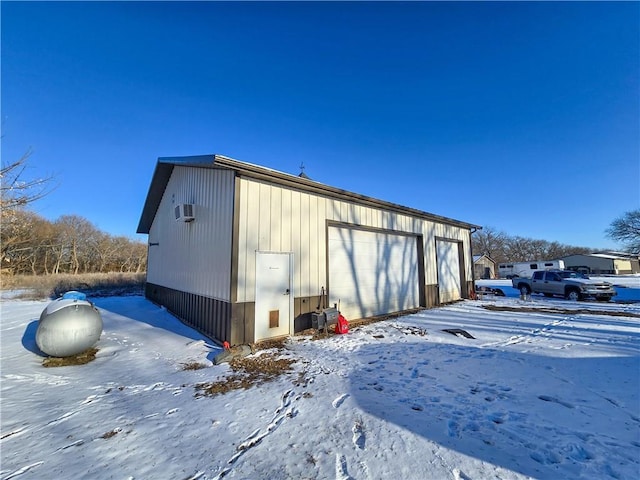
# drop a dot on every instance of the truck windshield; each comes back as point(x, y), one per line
point(569, 274)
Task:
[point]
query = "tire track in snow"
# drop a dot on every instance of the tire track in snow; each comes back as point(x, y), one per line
point(544, 331)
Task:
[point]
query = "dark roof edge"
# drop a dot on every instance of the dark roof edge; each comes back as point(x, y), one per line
point(159, 180)
point(165, 165)
point(256, 171)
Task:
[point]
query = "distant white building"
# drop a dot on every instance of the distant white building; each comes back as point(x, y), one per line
point(609, 263)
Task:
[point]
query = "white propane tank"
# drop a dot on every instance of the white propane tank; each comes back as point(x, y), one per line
point(68, 326)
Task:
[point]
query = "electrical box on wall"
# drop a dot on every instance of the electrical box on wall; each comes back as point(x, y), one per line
point(185, 212)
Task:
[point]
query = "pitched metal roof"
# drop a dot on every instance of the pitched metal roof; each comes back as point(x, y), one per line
point(165, 166)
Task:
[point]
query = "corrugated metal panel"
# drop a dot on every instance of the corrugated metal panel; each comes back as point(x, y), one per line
point(449, 280)
point(194, 257)
point(274, 218)
point(372, 272)
point(207, 315)
point(296, 241)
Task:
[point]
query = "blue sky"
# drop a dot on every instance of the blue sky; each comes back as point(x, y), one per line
point(519, 116)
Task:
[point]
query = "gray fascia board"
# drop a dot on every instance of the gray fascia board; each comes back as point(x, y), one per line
point(165, 165)
point(294, 181)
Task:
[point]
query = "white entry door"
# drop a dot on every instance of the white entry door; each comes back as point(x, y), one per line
point(274, 298)
point(448, 271)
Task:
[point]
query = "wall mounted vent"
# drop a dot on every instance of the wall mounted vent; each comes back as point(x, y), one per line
point(185, 212)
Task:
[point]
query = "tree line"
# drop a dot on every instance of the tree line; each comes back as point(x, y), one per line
point(504, 248)
point(31, 244)
point(71, 244)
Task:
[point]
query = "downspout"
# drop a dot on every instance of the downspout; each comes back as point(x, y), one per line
point(472, 293)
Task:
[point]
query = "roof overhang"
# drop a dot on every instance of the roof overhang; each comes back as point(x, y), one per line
point(165, 166)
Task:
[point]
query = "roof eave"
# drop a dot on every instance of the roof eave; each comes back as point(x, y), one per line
point(165, 166)
point(256, 171)
point(159, 180)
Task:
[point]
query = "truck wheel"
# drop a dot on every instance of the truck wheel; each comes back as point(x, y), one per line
point(573, 295)
point(525, 290)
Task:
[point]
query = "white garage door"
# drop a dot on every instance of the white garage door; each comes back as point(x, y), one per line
point(448, 271)
point(372, 273)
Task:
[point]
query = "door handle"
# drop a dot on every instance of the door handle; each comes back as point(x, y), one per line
point(287, 292)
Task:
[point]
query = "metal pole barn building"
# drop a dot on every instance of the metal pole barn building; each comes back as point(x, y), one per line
point(244, 253)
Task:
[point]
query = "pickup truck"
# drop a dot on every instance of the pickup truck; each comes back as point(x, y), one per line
point(567, 283)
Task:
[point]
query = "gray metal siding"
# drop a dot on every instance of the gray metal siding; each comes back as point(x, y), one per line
point(207, 315)
point(194, 257)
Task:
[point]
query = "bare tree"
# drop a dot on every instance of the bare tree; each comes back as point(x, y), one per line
point(76, 237)
point(626, 229)
point(17, 237)
point(17, 190)
point(489, 242)
point(30, 244)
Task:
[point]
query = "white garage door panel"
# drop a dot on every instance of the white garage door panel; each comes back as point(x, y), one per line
point(372, 273)
point(448, 271)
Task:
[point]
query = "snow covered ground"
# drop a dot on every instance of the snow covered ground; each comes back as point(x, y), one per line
point(537, 393)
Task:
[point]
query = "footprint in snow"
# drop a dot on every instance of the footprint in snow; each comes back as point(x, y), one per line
point(578, 452)
point(358, 435)
point(22, 470)
point(74, 444)
point(460, 475)
point(340, 400)
point(453, 429)
point(61, 418)
point(89, 399)
point(14, 432)
point(496, 418)
point(548, 398)
point(341, 468)
point(155, 386)
point(546, 458)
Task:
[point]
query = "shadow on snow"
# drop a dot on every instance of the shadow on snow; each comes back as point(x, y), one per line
point(549, 417)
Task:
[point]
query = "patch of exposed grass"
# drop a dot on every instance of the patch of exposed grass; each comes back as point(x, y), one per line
point(249, 371)
point(110, 434)
point(193, 366)
point(278, 343)
point(79, 359)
